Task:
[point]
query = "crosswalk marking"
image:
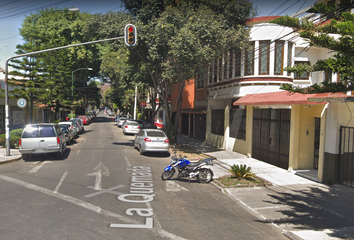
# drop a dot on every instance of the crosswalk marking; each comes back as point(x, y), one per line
point(174, 187)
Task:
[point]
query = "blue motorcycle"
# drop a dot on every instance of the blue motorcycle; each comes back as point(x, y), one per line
point(186, 168)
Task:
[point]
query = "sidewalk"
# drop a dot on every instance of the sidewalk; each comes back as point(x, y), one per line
point(14, 155)
point(301, 208)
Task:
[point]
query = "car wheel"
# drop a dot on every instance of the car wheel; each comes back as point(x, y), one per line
point(141, 151)
point(25, 157)
point(61, 153)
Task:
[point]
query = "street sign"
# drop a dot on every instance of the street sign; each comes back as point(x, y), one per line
point(21, 103)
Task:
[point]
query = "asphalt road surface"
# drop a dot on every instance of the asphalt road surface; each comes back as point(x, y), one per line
point(103, 189)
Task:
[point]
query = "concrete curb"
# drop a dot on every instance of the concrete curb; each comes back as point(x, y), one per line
point(10, 160)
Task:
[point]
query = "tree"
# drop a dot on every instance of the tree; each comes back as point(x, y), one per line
point(336, 33)
point(176, 38)
point(47, 76)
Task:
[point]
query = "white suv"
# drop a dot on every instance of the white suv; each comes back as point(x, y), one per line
point(42, 138)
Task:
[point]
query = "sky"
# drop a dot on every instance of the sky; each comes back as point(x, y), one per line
point(13, 13)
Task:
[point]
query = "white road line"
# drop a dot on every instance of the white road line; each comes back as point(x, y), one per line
point(36, 168)
point(69, 199)
point(60, 182)
point(77, 153)
point(128, 163)
point(174, 187)
point(86, 205)
point(85, 140)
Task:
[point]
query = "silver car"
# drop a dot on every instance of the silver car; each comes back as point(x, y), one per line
point(73, 126)
point(42, 138)
point(151, 140)
point(130, 127)
point(80, 124)
point(121, 121)
point(69, 134)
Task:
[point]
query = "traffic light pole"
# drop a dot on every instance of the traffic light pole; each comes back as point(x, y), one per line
point(7, 119)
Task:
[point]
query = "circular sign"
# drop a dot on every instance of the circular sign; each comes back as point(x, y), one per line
point(21, 103)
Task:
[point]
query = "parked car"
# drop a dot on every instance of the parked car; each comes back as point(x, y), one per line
point(140, 122)
point(119, 116)
point(151, 140)
point(73, 127)
point(42, 138)
point(121, 121)
point(69, 134)
point(85, 119)
point(80, 124)
point(130, 127)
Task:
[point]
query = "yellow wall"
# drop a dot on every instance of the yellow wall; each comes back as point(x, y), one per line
point(307, 134)
point(241, 146)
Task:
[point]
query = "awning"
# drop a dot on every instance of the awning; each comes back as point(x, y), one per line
point(284, 98)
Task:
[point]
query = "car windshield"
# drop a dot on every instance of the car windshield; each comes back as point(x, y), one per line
point(133, 123)
point(47, 131)
point(155, 134)
point(30, 132)
point(123, 119)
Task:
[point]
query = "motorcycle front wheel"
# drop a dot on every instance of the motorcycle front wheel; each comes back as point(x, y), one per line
point(205, 175)
point(166, 175)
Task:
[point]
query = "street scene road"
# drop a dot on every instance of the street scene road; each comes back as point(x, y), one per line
point(104, 189)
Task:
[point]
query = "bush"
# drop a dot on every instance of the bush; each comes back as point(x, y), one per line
point(15, 136)
point(139, 116)
point(241, 171)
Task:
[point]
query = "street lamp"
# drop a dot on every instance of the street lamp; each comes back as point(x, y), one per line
point(72, 84)
point(73, 9)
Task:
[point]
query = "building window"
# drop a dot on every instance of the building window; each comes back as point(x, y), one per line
point(290, 55)
point(249, 60)
point(220, 70)
point(238, 123)
point(237, 62)
point(279, 58)
point(225, 65)
point(328, 76)
point(210, 73)
point(264, 47)
point(231, 63)
point(217, 122)
point(302, 75)
point(201, 76)
point(215, 71)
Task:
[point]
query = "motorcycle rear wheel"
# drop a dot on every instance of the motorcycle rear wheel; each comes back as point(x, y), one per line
point(205, 175)
point(166, 175)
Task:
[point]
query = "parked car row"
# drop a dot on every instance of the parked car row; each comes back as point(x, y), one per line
point(49, 137)
point(146, 140)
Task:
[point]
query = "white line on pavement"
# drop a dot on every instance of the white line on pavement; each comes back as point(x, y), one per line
point(69, 199)
point(36, 168)
point(78, 151)
point(60, 182)
point(86, 205)
point(128, 163)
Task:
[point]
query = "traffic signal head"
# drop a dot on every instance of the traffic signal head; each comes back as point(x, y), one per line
point(130, 35)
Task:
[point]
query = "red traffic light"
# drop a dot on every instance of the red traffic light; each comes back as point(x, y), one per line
point(130, 35)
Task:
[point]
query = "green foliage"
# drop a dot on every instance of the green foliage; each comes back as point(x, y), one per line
point(320, 35)
point(241, 171)
point(139, 116)
point(47, 78)
point(15, 136)
point(177, 37)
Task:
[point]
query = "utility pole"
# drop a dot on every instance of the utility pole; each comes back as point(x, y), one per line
point(136, 94)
